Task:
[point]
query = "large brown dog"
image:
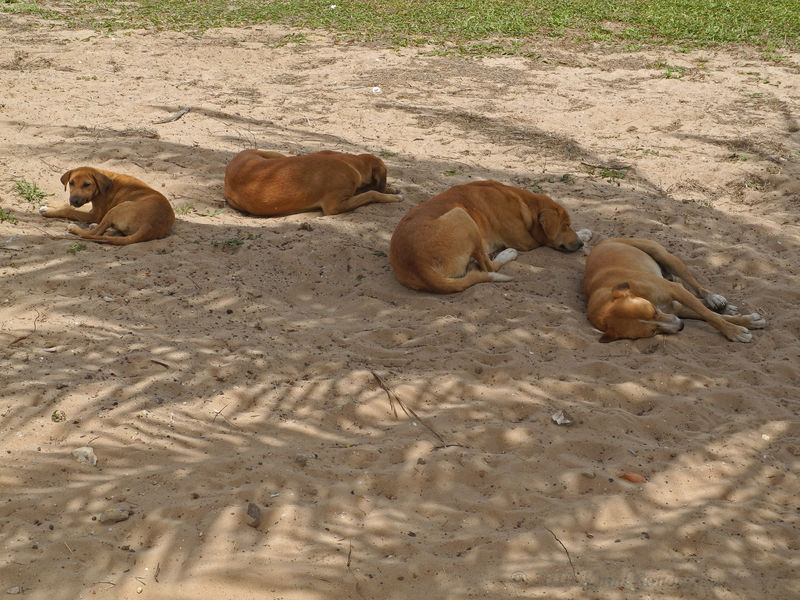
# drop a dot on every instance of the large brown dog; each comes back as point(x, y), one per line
point(269, 184)
point(443, 245)
point(120, 202)
point(630, 298)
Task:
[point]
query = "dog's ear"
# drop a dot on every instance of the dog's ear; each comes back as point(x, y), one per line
point(102, 182)
point(65, 178)
point(550, 223)
point(527, 216)
point(621, 290)
point(379, 175)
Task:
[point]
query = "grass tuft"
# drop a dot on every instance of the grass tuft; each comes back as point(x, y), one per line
point(29, 192)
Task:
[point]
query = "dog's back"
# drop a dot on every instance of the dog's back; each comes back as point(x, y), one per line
point(269, 184)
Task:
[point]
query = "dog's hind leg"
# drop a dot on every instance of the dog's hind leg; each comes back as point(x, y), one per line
point(334, 206)
point(675, 266)
point(96, 234)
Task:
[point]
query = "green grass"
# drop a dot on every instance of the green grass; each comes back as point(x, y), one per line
point(29, 192)
point(7, 217)
point(474, 26)
point(76, 247)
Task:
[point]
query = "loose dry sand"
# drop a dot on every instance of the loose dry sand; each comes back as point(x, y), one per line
point(232, 362)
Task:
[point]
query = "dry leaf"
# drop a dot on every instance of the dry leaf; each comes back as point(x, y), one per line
point(632, 477)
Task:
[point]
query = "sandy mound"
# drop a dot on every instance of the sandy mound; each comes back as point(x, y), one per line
point(246, 361)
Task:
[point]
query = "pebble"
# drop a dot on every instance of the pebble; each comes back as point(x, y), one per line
point(14, 590)
point(253, 515)
point(85, 455)
point(113, 515)
point(561, 418)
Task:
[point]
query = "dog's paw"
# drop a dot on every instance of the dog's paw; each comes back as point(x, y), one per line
point(506, 256)
point(43, 209)
point(731, 310)
point(400, 197)
point(756, 321)
point(739, 334)
point(584, 235)
point(73, 228)
point(716, 302)
point(495, 276)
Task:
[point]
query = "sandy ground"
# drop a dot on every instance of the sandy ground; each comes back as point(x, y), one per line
point(237, 361)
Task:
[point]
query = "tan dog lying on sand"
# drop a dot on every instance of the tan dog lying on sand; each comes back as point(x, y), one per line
point(443, 245)
point(270, 184)
point(121, 202)
point(630, 298)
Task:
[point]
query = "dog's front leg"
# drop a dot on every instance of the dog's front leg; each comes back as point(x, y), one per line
point(67, 212)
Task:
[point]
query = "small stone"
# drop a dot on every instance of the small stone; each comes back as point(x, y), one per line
point(85, 455)
point(420, 461)
point(14, 590)
point(562, 418)
point(113, 515)
point(253, 515)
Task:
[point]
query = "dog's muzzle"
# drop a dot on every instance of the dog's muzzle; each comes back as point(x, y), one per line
point(76, 201)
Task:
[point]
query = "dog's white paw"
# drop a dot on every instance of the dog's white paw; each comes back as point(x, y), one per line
point(716, 302)
point(731, 310)
point(43, 209)
point(756, 321)
point(400, 197)
point(584, 235)
point(506, 256)
point(73, 228)
point(495, 276)
point(741, 334)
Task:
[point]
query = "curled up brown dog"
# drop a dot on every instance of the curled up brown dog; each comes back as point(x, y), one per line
point(119, 202)
point(444, 244)
point(270, 184)
point(629, 297)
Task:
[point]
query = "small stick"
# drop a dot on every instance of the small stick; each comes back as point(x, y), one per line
point(574, 576)
point(158, 570)
point(71, 550)
point(409, 411)
point(22, 337)
point(349, 554)
point(174, 116)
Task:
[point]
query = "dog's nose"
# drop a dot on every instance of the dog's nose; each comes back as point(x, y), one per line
point(75, 201)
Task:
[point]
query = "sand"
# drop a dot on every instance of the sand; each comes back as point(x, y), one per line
point(393, 444)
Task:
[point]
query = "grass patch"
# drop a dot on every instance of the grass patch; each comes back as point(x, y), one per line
point(29, 192)
point(458, 23)
point(76, 247)
point(7, 217)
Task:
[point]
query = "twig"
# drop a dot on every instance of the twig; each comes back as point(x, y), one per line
point(394, 398)
point(70, 549)
point(617, 166)
point(349, 554)
point(22, 337)
point(158, 362)
point(218, 413)
point(158, 570)
point(174, 116)
point(574, 576)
